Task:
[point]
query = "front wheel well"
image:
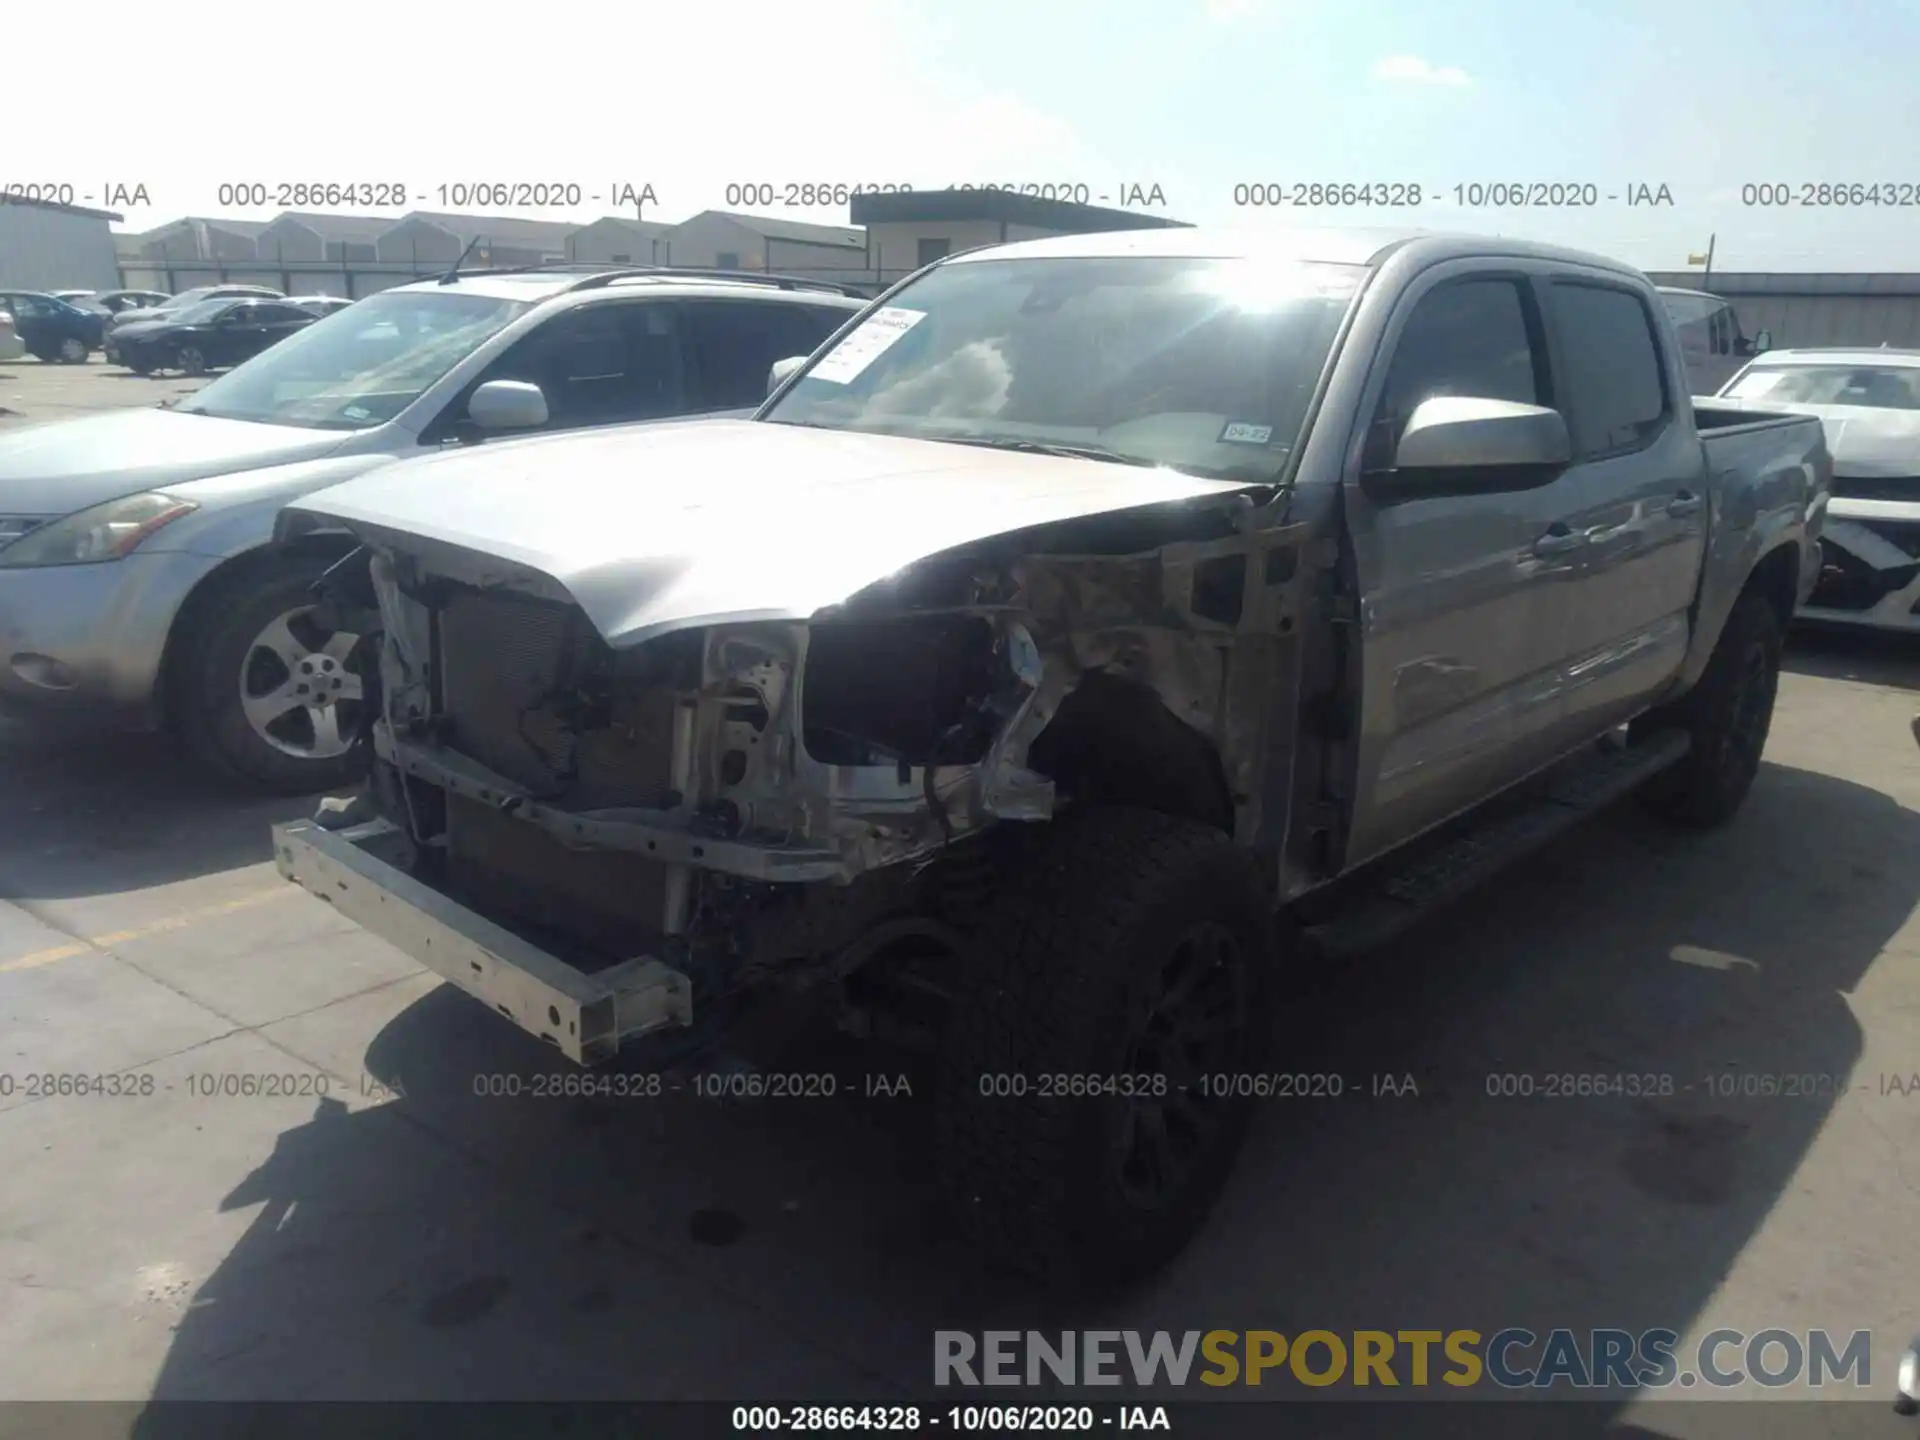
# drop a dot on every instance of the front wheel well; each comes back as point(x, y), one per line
point(234, 571)
point(1115, 742)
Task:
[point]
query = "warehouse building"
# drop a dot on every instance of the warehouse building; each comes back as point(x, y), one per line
point(719, 239)
point(426, 237)
point(196, 237)
point(299, 235)
point(48, 246)
point(1816, 309)
point(907, 230)
point(616, 240)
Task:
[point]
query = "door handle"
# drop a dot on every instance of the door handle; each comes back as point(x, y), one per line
point(1559, 542)
point(1683, 505)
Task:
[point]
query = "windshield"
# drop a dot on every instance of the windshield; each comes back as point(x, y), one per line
point(1873, 387)
point(1204, 365)
point(358, 367)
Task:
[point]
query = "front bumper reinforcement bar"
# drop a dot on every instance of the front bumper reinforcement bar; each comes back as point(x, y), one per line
point(585, 1016)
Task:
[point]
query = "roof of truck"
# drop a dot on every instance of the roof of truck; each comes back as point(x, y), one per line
point(543, 282)
point(1326, 244)
point(1839, 355)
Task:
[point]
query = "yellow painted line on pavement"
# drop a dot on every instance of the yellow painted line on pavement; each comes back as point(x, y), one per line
point(96, 943)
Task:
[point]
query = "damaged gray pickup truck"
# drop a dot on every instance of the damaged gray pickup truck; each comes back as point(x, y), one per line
point(1092, 630)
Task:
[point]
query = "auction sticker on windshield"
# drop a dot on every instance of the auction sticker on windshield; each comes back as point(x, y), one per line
point(876, 335)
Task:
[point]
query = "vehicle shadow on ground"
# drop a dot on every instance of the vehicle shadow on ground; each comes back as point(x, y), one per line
point(1872, 657)
point(457, 1244)
point(93, 813)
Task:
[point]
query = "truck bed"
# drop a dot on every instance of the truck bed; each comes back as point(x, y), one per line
point(1713, 415)
point(1752, 448)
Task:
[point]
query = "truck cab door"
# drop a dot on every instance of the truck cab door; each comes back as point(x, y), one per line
point(1465, 591)
point(1644, 510)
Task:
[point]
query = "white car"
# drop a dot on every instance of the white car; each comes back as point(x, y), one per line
point(1869, 401)
point(321, 305)
point(10, 346)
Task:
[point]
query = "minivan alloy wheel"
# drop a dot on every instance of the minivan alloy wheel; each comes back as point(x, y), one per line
point(297, 689)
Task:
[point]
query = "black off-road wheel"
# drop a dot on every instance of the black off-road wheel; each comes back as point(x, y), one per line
point(262, 693)
point(1726, 715)
point(1087, 1115)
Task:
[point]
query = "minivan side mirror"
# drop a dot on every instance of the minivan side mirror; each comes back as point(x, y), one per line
point(508, 405)
point(782, 370)
point(1462, 444)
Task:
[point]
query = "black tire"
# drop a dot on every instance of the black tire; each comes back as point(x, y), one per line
point(216, 653)
point(1726, 715)
point(191, 360)
point(74, 352)
point(1071, 962)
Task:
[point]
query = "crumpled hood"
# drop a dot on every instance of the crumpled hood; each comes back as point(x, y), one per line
point(694, 522)
point(68, 465)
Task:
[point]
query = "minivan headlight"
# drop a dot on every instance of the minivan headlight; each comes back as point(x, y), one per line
point(100, 532)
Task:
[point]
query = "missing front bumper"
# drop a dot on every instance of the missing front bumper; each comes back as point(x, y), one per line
point(586, 1017)
point(1871, 573)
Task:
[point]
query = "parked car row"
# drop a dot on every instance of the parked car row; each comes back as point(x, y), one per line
point(50, 328)
point(110, 302)
point(148, 331)
point(214, 328)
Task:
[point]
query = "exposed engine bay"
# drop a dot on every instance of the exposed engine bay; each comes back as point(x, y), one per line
point(741, 799)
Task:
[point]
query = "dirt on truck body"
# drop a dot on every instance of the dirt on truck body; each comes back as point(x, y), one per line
point(1093, 628)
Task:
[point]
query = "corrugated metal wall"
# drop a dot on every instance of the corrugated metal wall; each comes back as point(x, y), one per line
point(1833, 319)
point(1828, 309)
point(47, 249)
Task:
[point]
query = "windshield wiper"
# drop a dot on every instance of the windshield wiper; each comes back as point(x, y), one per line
point(1065, 449)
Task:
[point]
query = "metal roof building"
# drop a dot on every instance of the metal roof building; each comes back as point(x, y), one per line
point(49, 246)
point(1816, 308)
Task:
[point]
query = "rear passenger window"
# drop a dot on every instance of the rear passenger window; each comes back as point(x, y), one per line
point(1616, 388)
point(732, 344)
point(1469, 338)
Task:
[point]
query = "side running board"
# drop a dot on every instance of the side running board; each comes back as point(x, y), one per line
point(1406, 892)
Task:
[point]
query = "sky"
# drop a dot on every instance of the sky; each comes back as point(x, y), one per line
point(1199, 98)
